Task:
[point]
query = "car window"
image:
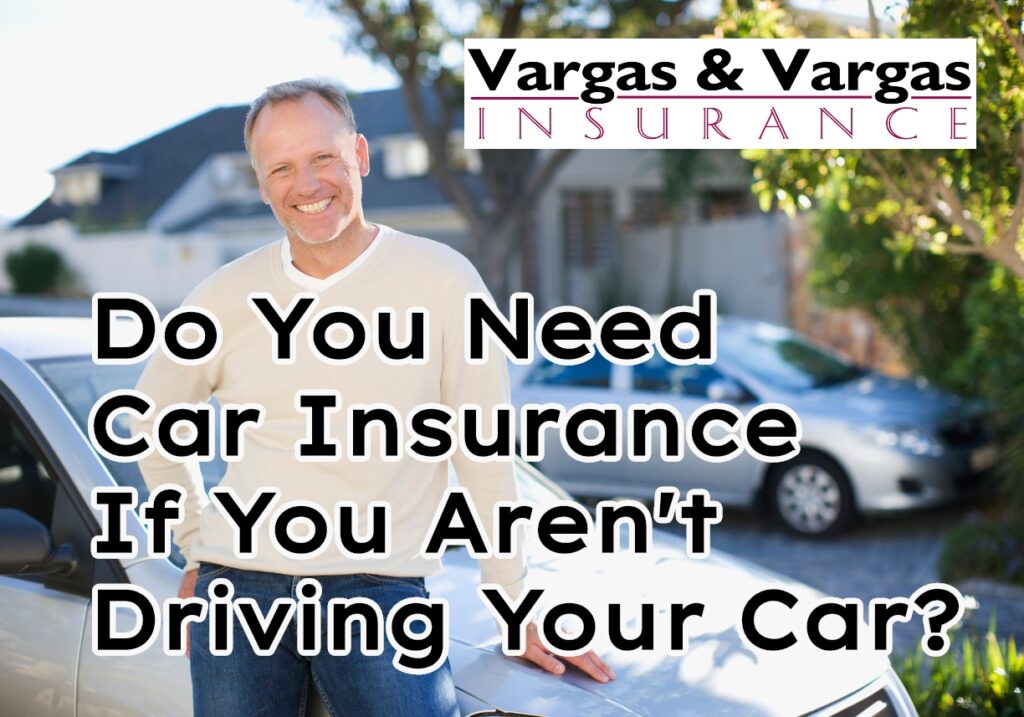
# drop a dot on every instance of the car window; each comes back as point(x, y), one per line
point(658, 375)
point(595, 372)
point(783, 359)
point(25, 484)
point(33, 481)
point(79, 383)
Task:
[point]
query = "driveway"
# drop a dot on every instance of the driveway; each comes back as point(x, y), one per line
point(884, 557)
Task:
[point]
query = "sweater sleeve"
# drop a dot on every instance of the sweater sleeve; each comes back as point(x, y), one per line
point(165, 382)
point(485, 386)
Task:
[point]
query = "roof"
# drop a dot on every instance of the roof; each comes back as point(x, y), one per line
point(161, 163)
point(244, 210)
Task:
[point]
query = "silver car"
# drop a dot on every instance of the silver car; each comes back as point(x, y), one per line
point(871, 444)
point(48, 384)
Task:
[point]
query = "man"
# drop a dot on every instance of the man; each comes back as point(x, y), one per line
point(309, 163)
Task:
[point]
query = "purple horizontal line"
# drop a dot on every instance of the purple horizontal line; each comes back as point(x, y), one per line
point(745, 97)
point(726, 97)
point(520, 99)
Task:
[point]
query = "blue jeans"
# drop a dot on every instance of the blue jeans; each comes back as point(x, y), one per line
point(246, 684)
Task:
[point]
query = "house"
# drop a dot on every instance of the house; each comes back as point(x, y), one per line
point(157, 217)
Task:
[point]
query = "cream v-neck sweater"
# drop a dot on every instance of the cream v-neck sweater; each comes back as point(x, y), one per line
point(401, 272)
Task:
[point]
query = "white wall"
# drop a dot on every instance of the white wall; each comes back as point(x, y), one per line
point(162, 269)
point(165, 268)
point(742, 259)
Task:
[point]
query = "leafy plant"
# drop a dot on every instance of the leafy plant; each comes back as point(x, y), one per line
point(978, 677)
point(35, 269)
point(991, 548)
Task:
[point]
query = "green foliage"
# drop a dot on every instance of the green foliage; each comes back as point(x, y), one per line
point(942, 201)
point(991, 548)
point(918, 299)
point(993, 356)
point(35, 269)
point(959, 319)
point(976, 678)
point(930, 243)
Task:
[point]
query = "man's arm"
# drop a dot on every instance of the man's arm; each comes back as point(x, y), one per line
point(486, 386)
point(165, 383)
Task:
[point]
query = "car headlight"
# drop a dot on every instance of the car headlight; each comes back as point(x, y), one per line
point(906, 438)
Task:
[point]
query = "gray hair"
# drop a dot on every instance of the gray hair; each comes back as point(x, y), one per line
point(295, 90)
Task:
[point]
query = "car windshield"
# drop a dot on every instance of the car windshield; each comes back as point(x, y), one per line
point(80, 383)
point(782, 359)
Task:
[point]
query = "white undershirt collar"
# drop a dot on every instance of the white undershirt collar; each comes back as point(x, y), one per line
point(311, 282)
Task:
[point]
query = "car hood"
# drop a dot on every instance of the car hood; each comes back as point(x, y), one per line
point(718, 674)
point(876, 397)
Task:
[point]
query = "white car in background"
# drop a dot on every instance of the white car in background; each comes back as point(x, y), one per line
point(871, 443)
point(48, 384)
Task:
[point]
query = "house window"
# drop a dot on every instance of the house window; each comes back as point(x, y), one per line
point(650, 208)
point(725, 203)
point(405, 157)
point(461, 158)
point(77, 186)
point(232, 173)
point(588, 228)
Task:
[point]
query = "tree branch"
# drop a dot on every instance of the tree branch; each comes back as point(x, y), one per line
point(952, 248)
point(1015, 41)
point(512, 20)
point(955, 214)
point(435, 136)
point(1013, 233)
point(545, 171)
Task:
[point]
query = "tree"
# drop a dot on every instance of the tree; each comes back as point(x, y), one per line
point(930, 242)
point(414, 37)
point(941, 201)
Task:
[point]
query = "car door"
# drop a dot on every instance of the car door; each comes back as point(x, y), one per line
point(42, 618)
point(686, 389)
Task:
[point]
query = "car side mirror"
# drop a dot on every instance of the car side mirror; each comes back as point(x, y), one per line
point(26, 547)
point(725, 390)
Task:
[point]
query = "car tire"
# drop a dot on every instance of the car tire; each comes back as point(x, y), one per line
point(811, 495)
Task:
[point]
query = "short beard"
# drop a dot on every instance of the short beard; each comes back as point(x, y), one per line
point(298, 235)
point(294, 231)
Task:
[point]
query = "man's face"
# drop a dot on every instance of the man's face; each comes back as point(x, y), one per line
point(309, 166)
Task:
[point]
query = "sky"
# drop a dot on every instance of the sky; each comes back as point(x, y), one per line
point(77, 76)
point(81, 75)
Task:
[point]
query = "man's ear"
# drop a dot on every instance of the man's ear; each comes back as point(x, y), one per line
point(362, 155)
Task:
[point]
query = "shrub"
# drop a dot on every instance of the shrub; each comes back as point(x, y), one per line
point(988, 548)
point(978, 677)
point(35, 269)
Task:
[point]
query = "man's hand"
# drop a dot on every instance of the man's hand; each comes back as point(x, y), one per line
point(539, 655)
point(187, 589)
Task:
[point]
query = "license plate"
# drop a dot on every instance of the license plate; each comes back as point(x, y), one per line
point(984, 458)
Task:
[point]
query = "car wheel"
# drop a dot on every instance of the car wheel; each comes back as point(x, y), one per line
point(811, 495)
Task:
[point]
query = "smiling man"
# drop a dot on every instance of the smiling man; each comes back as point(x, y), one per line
point(309, 162)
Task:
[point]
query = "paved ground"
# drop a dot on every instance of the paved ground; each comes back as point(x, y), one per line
point(882, 558)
